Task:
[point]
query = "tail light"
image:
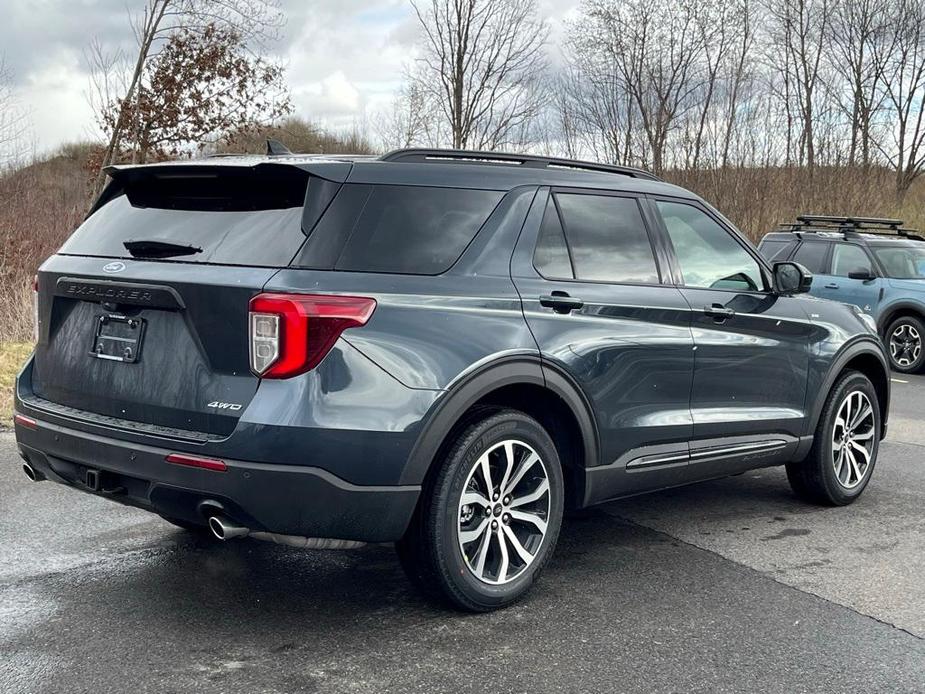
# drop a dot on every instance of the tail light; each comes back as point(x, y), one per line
point(291, 333)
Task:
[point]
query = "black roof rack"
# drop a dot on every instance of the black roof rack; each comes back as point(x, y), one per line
point(503, 158)
point(850, 226)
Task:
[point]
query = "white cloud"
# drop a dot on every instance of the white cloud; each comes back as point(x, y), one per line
point(344, 58)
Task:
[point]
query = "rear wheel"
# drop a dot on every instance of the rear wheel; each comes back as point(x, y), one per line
point(845, 445)
point(488, 522)
point(905, 341)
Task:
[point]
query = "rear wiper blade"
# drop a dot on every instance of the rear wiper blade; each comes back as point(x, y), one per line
point(154, 248)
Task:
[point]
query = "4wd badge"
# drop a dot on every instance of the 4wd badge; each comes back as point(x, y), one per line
point(233, 406)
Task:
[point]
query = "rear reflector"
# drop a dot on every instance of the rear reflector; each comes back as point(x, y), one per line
point(24, 421)
point(196, 461)
point(291, 333)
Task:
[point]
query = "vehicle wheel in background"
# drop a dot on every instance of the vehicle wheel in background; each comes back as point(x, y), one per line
point(905, 343)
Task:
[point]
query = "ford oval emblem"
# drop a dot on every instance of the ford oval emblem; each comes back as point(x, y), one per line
point(114, 267)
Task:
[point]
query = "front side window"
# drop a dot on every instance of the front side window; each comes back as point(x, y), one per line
point(849, 258)
point(607, 239)
point(709, 256)
point(902, 262)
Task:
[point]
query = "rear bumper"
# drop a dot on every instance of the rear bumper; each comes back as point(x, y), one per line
point(285, 499)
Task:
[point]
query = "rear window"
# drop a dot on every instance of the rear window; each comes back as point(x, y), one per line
point(776, 249)
point(414, 229)
point(811, 255)
point(236, 217)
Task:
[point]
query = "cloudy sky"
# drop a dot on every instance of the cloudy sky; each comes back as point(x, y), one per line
point(344, 57)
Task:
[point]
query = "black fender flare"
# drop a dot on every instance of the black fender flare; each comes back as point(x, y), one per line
point(475, 385)
point(887, 316)
point(864, 346)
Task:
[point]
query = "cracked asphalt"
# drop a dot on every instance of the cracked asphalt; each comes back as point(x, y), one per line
point(726, 586)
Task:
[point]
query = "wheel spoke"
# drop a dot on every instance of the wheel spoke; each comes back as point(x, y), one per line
point(508, 465)
point(532, 459)
point(865, 436)
point(840, 465)
point(866, 411)
point(854, 468)
point(535, 495)
point(482, 554)
point(515, 543)
point(532, 518)
point(467, 536)
point(486, 474)
point(505, 560)
point(860, 449)
point(470, 496)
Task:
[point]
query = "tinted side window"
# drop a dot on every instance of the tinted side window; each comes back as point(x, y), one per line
point(812, 256)
point(709, 255)
point(414, 229)
point(607, 239)
point(551, 257)
point(847, 258)
point(776, 249)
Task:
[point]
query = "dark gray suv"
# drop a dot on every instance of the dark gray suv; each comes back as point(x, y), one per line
point(437, 348)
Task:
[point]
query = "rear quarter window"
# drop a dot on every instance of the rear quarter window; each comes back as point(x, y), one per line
point(414, 229)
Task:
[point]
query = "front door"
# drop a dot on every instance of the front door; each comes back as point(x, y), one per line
point(848, 258)
point(748, 399)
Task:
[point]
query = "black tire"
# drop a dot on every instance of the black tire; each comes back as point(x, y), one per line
point(903, 349)
point(814, 479)
point(430, 551)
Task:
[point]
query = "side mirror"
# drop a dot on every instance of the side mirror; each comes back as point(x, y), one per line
point(861, 273)
point(791, 278)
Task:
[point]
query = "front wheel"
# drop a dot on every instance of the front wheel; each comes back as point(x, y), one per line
point(488, 523)
point(904, 341)
point(845, 445)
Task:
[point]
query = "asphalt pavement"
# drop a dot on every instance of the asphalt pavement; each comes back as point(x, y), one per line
point(726, 586)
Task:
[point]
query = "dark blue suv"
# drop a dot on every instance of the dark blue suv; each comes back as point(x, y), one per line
point(872, 263)
point(437, 348)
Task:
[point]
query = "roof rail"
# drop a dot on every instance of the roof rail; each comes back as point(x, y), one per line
point(850, 227)
point(503, 158)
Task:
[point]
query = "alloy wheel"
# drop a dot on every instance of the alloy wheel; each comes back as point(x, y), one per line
point(503, 512)
point(853, 439)
point(905, 345)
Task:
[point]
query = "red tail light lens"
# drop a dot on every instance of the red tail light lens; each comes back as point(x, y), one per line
point(291, 333)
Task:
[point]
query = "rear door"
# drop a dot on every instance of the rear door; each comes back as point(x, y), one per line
point(161, 340)
point(593, 294)
point(748, 398)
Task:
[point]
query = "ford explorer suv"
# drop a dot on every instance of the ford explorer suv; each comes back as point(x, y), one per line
point(875, 264)
point(440, 349)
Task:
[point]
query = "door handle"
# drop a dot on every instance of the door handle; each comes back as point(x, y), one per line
point(719, 312)
point(560, 302)
point(831, 285)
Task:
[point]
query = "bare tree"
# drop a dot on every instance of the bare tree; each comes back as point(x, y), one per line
point(799, 37)
point(13, 121)
point(154, 24)
point(904, 84)
point(482, 61)
point(409, 119)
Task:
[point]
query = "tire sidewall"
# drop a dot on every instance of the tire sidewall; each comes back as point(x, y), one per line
point(917, 365)
point(463, 457)
point(851, 383)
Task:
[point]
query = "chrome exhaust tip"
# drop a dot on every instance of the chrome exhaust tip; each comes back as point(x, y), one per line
point(31, 473)
point(226, 530)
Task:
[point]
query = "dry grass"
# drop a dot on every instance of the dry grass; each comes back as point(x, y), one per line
point(12, 356)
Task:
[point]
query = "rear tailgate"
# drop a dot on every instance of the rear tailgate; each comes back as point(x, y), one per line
point(188, 363)
point(164, 341)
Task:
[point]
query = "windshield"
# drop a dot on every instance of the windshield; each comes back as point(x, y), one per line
point(902, 262)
